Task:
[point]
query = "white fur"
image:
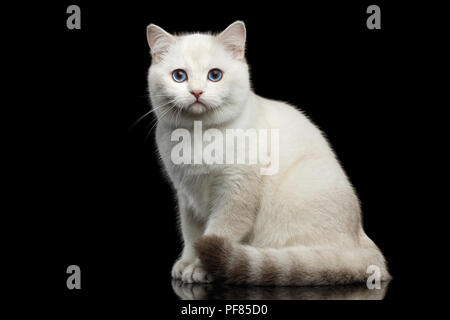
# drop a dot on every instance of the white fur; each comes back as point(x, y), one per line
point(309, 203)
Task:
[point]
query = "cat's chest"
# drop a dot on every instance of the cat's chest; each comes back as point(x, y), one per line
point(184, 158)
point(198, 186)
point(193, 181)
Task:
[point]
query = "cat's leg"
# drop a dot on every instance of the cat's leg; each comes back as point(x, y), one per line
point(232, 217)
point(233, 211)
point(235, 207)
point(191, 230)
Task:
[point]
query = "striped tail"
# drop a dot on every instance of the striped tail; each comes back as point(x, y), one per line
point(234, 263)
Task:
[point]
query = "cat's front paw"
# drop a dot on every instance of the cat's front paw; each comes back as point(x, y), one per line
point(179, 266)
point(194, 273)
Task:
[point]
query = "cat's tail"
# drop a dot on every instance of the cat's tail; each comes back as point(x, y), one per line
point(235, 263)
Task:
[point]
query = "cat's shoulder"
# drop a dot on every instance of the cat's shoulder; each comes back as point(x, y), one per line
point(280, 109)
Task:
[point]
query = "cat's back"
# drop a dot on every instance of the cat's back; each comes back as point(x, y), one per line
point(295, 128)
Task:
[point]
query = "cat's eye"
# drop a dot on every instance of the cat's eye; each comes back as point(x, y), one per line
point(215, 75)
point(179, 75)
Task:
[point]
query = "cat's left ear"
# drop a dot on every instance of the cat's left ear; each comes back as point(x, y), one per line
point(159, 41)
point(233, 38)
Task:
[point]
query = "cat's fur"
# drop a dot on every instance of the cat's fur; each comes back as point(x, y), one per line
point(301, 226)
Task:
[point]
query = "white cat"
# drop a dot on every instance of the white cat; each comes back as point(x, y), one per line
point(300, 226)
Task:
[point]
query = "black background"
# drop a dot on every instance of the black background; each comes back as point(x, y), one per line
point(91, 189)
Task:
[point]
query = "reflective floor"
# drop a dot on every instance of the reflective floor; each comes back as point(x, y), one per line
point(190, 291)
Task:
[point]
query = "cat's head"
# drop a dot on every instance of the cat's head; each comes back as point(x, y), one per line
point(198, 76)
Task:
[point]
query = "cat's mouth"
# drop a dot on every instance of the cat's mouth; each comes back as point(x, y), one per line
point(197, 108)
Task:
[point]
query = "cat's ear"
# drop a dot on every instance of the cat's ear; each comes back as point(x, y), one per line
point(159, 41)
point(233, 38)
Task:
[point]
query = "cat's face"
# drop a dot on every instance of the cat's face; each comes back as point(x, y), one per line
point(198, 76)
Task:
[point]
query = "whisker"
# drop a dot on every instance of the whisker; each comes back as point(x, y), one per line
point(149, 112)
point(159, 95)
point(173, 114)
point(178, 114)
point(158, 120)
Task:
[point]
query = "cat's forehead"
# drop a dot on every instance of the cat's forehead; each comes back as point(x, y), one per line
point(197, 50)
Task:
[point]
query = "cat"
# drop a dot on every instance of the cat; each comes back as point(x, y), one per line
point(300, 226)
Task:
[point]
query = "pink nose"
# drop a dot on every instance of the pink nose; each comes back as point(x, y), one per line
point(197, 93)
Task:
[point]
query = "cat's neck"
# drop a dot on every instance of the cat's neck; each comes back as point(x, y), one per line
point(245, 118)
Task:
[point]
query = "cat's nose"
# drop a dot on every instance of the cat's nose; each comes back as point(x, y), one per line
point(197, 93)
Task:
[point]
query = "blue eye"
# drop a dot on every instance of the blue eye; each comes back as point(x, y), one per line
point(179, 75)
point(215, 75)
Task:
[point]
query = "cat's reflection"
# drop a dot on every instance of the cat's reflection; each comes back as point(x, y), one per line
point(195, 291)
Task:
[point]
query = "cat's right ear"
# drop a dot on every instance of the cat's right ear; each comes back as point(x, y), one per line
point(233, 38)
point(159, 41)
